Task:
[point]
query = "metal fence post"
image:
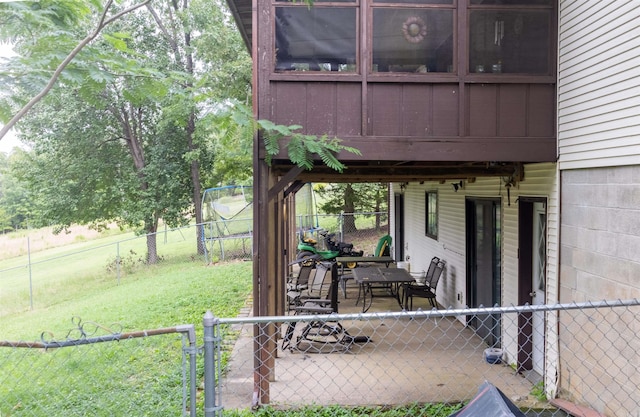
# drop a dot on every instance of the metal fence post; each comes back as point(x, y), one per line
point(210, 357)
point(189, 331)
point(118, 261)
point(30, 276)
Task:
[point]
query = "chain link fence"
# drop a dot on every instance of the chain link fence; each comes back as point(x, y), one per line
point(427, 363)
point(430, 361)
point(98, 372)
point(363, 230)
point(34, 278)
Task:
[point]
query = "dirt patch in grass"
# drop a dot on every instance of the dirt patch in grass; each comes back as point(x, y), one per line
point(366, 239)
point(19, 243)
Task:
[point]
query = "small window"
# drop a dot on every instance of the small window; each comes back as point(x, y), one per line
point(509, 41)
point(513, 2)
point(412, 40)
point(431, 209)
point(316, 39)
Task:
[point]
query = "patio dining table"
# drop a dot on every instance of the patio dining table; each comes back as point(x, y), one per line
point(359, 261)
point(391, 279)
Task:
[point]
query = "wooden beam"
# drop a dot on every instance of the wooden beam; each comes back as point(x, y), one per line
point(293, 188)
point(283, 182)
point(261, 220)
point(447, 149)
point(409, 172)
point(574, 409)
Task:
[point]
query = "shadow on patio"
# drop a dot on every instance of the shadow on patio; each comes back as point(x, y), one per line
point(408, 359)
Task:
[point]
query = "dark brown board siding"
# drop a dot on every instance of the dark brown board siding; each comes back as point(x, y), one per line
point(416, 110)
point(506, 110)
point(321, 108)
point(463, 149)
point(420, 110)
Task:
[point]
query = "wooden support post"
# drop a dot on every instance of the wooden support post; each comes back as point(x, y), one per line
point(271, 230)
point(260, 285)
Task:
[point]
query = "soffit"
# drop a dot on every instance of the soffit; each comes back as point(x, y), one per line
point(241, 11)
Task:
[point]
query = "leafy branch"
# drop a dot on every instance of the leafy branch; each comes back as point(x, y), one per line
point(301, 148)
point(102, 23)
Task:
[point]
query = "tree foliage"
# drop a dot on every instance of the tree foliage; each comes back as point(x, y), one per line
point(56, 20)
point(235, 128)
point(17, 208)
point(302, 148)
point(122, 129)
point(230, 129)
point(360, 197)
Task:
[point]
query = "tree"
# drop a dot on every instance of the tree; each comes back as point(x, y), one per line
point(176, 22)
point(17, 208)
point(92, 177)
point(352, 198)
point(143, 92)
point(59, 16)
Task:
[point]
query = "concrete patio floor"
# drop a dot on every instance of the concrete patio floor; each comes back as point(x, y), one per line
point(421, 369)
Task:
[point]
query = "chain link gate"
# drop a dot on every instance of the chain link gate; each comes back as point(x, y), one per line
point(99, 371)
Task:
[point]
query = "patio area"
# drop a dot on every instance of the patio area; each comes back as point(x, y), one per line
point(407, 360)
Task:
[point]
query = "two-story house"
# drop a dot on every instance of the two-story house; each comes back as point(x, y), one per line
point(507, 128)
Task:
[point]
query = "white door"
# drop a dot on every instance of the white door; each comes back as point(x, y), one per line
point(539, 283)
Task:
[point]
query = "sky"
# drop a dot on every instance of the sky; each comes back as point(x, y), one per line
point(10, 141)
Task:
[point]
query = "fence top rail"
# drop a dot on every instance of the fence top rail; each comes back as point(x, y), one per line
point(479, 311)
point(185, 329)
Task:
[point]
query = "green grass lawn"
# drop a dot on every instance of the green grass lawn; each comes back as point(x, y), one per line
point(164, 295)
point(133, 377)
point(66, 274)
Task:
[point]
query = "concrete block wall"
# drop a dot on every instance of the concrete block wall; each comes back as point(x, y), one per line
point(599, 260)
point(600, 234)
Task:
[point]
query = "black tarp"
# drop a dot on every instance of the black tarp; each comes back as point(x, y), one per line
point(489, 402)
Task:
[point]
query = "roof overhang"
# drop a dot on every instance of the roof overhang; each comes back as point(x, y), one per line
point(242, 14)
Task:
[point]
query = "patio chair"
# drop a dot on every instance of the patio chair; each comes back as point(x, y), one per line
point(383, 248)
point(320, 336)
point(298, 283)
point(426, 290)
point(317, 285)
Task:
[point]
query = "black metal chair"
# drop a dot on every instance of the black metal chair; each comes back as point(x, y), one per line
point(426, 290)
point(298, 283)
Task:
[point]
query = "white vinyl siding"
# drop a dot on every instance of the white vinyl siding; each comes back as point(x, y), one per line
point(540, 181)
point(598, 83)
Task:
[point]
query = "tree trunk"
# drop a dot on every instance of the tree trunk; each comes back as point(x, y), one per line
point(377, 210)
point(172, 38)
point(152, 247)
point(130, 127)
point(195, 165)
point(197, 188)
point(349, 209)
